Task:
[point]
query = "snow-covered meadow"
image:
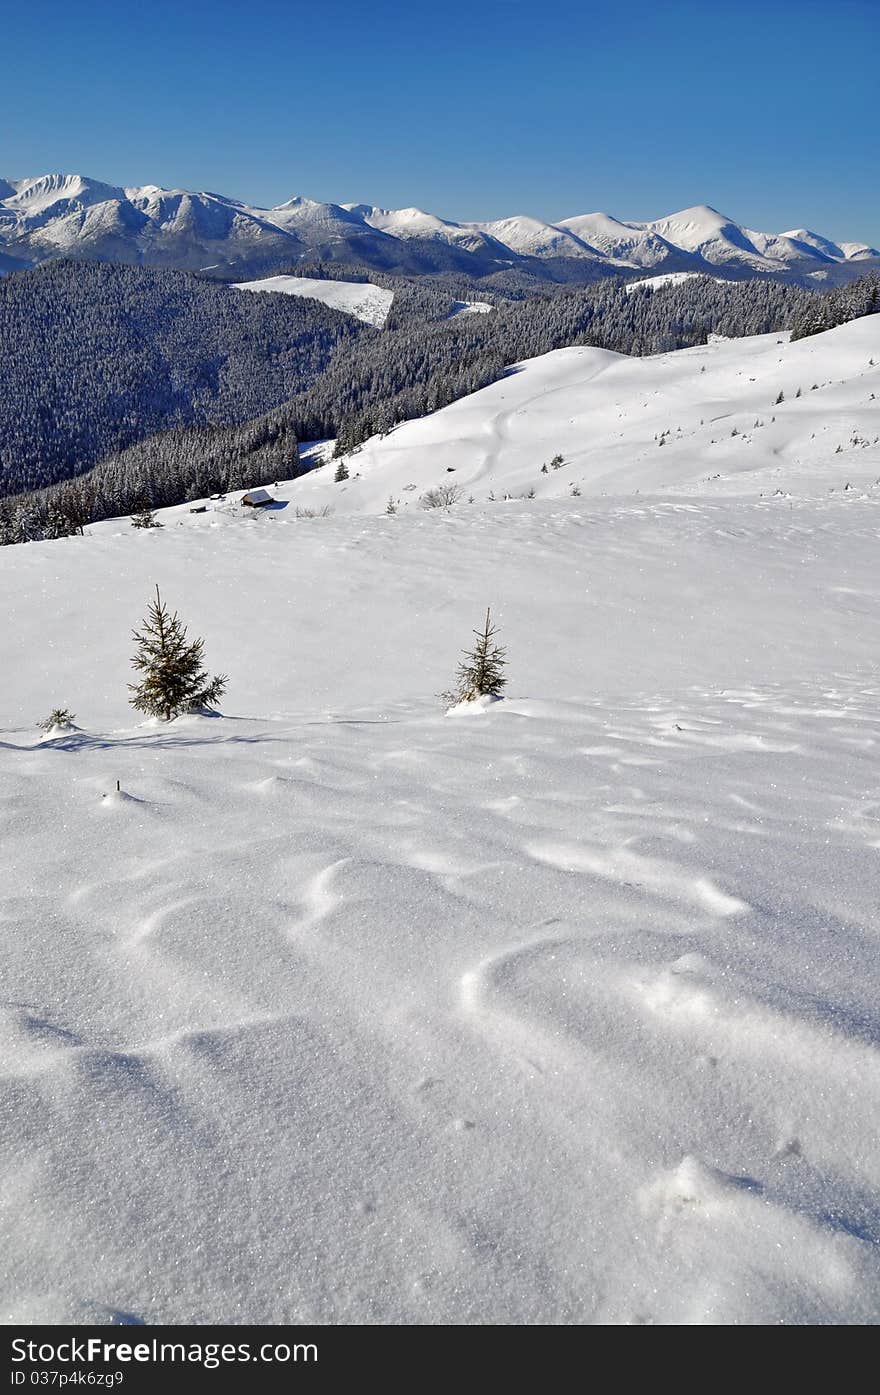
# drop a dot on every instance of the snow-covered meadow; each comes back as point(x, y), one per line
point(362, 299)
point(702, 422)
point(359, 298)
point(344, 1010)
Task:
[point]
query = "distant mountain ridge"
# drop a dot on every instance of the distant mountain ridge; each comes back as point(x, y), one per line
point(71, 215)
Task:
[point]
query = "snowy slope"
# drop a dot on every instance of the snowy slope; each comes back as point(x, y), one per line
point(471, 307)
point(343, 1010)
point(666, 278)
point(714, 407)
point(362, 299)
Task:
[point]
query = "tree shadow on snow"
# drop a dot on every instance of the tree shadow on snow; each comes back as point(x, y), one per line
point(83, 741)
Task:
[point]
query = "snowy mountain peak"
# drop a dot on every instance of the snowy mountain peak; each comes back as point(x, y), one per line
point(836, 251)
point(532, 237)
point(35, 195)
point(74, 215)
point(699, 215)
point(695, 228)
point(295, 203)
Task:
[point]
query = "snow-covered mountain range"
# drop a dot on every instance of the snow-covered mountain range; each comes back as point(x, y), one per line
point(71, 215)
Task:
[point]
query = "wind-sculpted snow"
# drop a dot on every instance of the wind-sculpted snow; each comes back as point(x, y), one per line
point(339, 1010)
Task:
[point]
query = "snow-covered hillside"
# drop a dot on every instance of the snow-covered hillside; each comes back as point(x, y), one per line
point(359, 298)
point(344, 1010)
point(666, 278)
point(702, 420)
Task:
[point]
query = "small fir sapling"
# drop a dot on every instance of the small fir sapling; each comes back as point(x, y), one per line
point(173, 677)
point(144, 517)
point(481, 671)
point(60, 717)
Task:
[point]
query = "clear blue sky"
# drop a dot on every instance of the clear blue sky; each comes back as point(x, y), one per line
point(472, 110)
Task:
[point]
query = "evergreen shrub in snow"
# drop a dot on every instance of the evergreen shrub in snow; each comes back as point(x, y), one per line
point(59, 717)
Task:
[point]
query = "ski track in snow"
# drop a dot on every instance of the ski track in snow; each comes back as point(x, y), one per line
point(343, 1011)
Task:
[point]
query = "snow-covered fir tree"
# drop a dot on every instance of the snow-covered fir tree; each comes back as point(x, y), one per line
point(144, 517)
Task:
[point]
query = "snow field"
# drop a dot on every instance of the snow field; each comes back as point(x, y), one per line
point(714, 407)
point(344, 1010)
point(359, 298)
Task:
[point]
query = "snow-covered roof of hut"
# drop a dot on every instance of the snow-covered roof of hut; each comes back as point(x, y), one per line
point(257, 497)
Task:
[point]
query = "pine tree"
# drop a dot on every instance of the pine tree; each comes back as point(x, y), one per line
point(57, 524)
point(341, 473)
point(144, 517)
point(174, 679)
point(26, 524)
point(481, 672)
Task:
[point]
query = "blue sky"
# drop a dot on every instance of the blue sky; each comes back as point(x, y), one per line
point(473, 110)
